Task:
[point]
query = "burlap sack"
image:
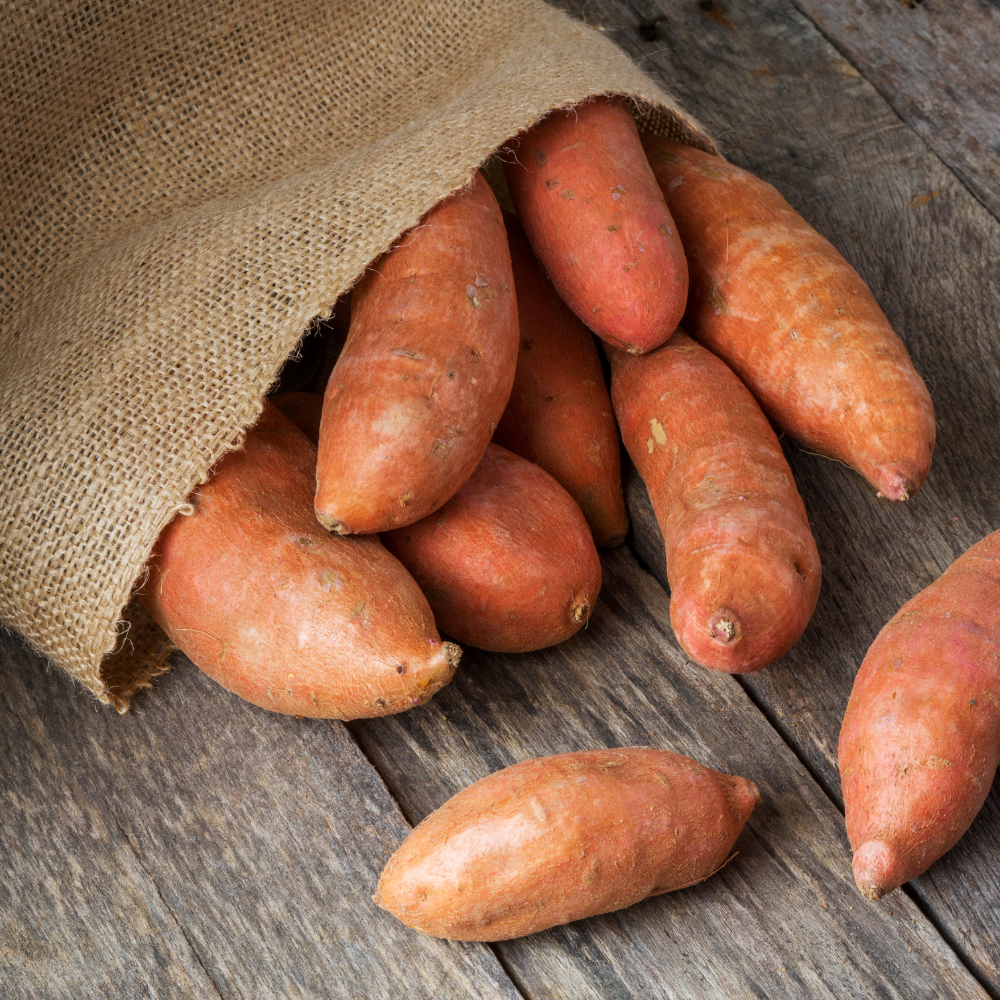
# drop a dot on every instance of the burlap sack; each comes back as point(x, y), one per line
point(185, 186)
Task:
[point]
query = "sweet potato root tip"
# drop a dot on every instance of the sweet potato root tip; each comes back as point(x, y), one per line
point(744, 796)
point(580, 611)
point(720, 641)
point(877, 869)
point(724, 627)
point(893, 484)
point(332, 524)
point(443, 669)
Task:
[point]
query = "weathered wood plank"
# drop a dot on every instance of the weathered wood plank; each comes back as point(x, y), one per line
point(781, 920)
point(936, 63)
point(79, 916)
point(199, 847)
point(787, 106)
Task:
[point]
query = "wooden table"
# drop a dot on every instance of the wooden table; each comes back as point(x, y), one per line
point(199, 847)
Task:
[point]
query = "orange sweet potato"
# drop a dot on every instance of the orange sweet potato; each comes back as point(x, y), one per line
point(595, 216)
point(742, 564)
point(559, 414)
point(304, 409)
point(508, 564)
point(560, 838)
point(920, 741)
point(278, 611)
point(793, 319)
point(426, 371)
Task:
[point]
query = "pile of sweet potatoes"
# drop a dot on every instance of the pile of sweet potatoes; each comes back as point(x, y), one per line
point(464, 464)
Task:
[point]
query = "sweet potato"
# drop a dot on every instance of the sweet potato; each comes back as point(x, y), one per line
point(560, 838)
point(793, 319)
point(426, 371)
point(742, 564)
point(595, 216)
point(559, 414)
point(920, 741)
point(278, 611)
point(508, 563)
point(304, 409)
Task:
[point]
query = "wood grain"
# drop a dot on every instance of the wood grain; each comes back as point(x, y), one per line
point(935, 62)
point(199, 847)
point(782, 919)
point(789, 107)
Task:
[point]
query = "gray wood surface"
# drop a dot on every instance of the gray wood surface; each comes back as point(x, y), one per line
point(936, 62)
point(199, 847)
point(786, 105)
point(782, 919)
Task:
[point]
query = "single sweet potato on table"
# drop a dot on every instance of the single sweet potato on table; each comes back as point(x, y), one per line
point(793, 319)
point(920, 741)
point(560, 838)
point(425, 373)
point(598, 222)
point(282, 613)
point(559, 414)
point(742, 564)
point(508, 564)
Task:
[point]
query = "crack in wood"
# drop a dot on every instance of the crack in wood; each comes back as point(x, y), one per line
point(159, 893)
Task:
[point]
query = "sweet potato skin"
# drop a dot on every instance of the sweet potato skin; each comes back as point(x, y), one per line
point(559, 414)
point(425, 373)
point(793, 319)
point(278, 611)
point(561, 838)
point(598, 222)
point(742, 564)
point(920, 740)
point(508, 564)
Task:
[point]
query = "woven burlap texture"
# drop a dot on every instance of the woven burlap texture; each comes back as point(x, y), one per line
point(185, 186)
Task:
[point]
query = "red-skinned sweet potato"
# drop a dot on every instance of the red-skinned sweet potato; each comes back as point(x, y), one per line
point(508, 564)
point(598, 222)
point(920, 741)
point(559, 414)
point(742, 564)
point(560, 838)
point(793, 319)
point(278, 611)
point(426, 371)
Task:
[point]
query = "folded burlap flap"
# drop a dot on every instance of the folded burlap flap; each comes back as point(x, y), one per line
point(185, 187)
